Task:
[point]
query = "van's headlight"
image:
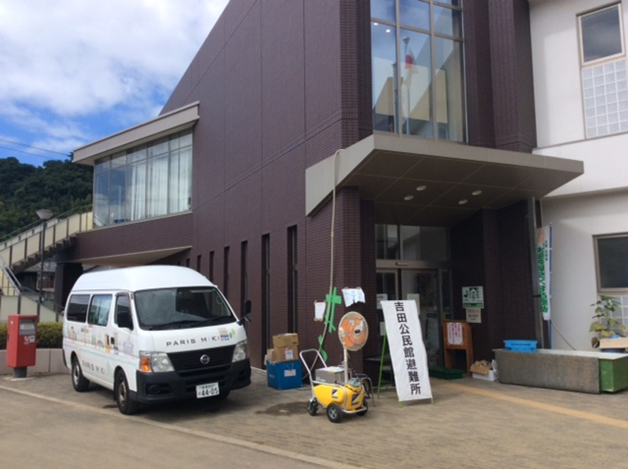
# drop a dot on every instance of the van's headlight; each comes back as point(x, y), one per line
point(240, 352)
point(155, 362)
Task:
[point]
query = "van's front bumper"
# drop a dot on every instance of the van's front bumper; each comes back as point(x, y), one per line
point(158, 387)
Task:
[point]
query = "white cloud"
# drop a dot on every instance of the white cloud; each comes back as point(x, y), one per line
point(71, 59)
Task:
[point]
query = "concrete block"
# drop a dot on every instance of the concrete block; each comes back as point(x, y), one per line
point(570, 372)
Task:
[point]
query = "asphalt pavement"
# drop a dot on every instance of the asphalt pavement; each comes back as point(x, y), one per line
point(470, 424)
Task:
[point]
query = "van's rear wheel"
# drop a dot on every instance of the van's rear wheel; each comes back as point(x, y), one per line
point(123, 396)
point(80, 382)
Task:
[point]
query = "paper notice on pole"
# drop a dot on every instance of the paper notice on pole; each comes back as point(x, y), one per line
point(407, 350)
point(319, 310)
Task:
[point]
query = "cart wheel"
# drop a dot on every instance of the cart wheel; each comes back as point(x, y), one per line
point(334, 413)
point(365, 408)
point(312, 406)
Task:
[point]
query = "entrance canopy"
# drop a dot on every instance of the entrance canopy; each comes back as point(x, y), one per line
point(434, 183)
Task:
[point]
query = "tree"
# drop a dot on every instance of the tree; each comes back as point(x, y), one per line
point(58, 185)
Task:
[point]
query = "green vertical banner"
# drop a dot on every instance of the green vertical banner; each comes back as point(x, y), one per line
point(544, 260)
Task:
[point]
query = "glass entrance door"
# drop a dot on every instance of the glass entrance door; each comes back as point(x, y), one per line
point(424, 287)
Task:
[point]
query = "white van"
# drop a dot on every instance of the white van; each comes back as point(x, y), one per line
point(154, 333)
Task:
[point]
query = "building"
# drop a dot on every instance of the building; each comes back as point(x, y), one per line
point(581, 98)
point(377, 121)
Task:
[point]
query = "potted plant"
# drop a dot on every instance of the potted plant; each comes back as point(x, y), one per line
point(605, 324)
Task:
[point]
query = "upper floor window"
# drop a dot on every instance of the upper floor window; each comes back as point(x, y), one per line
point(414, 243)
point(148, 181)
point(604, 81)
point(417, 74)
point(601, 34)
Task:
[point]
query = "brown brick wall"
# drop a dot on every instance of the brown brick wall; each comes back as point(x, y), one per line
point(492, 249)
point(282, 85)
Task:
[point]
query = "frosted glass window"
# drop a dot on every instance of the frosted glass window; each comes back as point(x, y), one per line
point(602, 103)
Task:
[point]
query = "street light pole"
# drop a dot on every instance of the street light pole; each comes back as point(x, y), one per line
point(45, 215)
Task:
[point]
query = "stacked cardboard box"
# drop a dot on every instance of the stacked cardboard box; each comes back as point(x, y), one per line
point(285, 348)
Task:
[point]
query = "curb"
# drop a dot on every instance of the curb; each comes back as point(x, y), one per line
point(46, 361)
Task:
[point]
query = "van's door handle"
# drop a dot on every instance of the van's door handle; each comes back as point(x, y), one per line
point(112, 341)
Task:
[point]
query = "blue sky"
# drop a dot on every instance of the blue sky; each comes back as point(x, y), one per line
point(75, 71)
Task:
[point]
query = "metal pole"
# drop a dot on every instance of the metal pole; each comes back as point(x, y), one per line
point(41, 269)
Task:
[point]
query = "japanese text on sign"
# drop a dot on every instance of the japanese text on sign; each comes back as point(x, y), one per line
point(407, 351)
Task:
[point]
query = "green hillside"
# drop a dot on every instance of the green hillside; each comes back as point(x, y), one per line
point(57, 185)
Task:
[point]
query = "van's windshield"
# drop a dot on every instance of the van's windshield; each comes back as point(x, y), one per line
point(181, 308)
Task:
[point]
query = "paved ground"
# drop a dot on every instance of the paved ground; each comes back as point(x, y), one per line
point(471, 424)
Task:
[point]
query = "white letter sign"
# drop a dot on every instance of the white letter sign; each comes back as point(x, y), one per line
point(407, 350)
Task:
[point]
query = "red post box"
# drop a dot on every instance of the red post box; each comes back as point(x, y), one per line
point(21, 343)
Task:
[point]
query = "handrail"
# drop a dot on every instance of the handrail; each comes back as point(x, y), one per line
point(21, 231)
point(29, 244)
point(11, 278)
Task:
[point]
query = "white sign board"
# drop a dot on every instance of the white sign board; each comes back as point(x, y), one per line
point(407, 351)
point(474, 315)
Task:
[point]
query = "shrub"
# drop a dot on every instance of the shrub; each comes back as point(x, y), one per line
point(49, 335)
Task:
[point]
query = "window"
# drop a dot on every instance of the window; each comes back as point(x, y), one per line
point(148, 181)
point(266, 309)
point(244, 275)
point(99, 310)
point(77, 308)
point(604, 81)
point(122, 309)
point(611, 254)
point(601, 34)
point(403, 242)
point(417, 71)
point(211, 266)
point(293, 279)
point(225, 273)
point(612, 263)
point(183, 307)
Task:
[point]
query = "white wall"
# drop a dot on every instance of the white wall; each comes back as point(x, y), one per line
point(575, 220)
point(558, 97)
point(605, 164)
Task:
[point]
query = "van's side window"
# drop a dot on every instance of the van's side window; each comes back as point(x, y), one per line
point(99, 310)
point(123, 311)
point(77, 308)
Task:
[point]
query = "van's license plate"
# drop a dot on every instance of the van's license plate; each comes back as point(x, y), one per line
point(207, 390)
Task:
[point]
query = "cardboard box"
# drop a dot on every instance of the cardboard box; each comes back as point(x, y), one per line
point(283, 354)
point(285, 340)
point(619, 343)
point(491, 376)
point(331, 374)
point(481, 367)
point(284, 375)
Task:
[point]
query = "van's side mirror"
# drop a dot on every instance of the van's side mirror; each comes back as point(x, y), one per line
point(124, 320)
point(246, 312)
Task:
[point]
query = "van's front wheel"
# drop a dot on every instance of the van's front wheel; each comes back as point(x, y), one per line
point(122, 395)
point(80, 382)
